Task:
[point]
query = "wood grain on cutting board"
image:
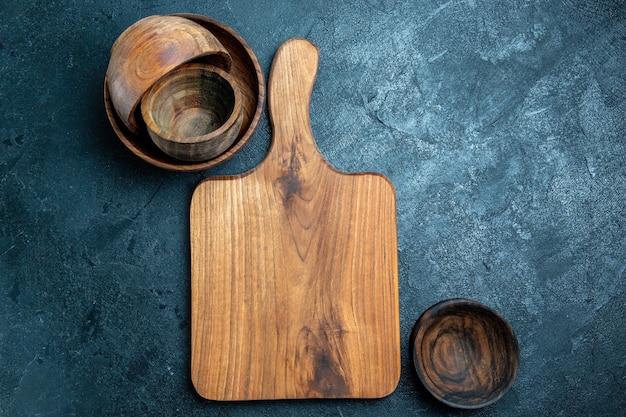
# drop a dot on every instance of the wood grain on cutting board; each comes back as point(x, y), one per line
point(294, 266)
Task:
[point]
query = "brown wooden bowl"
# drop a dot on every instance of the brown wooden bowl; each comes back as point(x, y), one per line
point(193, 113)
point(465, 354)
point(247, 74)
point(151, 48)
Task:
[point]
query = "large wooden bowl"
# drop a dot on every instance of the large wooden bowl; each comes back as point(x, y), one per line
point(465, 354)
point(245, 71)
point(150, 49)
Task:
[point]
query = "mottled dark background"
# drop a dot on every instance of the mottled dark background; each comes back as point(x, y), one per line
point(501, 124)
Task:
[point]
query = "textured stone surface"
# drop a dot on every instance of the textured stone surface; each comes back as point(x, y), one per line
point(501, 124)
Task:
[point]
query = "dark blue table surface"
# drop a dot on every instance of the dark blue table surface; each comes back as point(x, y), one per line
point(501, 124)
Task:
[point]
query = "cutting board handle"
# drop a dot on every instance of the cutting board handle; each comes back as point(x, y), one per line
point(289, 96)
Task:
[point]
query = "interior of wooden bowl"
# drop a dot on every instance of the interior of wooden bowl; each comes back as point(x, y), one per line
point(189, 104)
point(464, 353)
point(247, 73)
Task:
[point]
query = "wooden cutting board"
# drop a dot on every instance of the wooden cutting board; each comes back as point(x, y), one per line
point(294, 266)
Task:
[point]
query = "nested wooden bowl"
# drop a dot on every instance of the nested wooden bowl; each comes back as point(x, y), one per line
point(246, 74)
point(193, 113)
point(464, 353)
point(151, 48)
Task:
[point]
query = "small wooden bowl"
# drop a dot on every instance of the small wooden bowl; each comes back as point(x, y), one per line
point(149, 49)
point(247, 74)
point(193, 113)
point(465, 354)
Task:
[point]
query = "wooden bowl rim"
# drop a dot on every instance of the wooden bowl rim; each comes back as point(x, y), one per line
point(439, 310)
point(161, 159)
point(197, 69)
